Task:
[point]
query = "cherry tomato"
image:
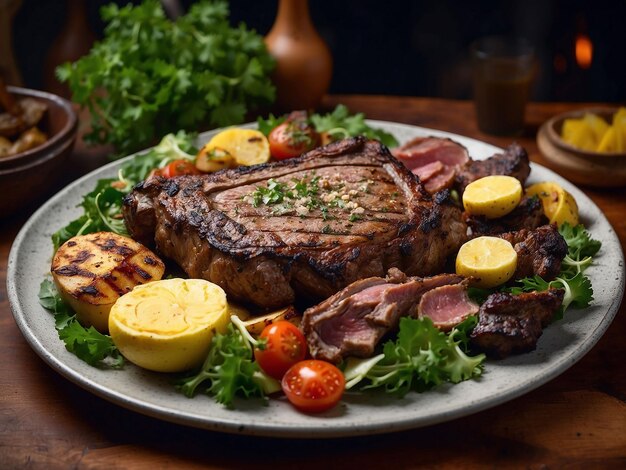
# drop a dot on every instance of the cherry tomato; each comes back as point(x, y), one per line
point(292, 138)
point(177, 168)
point(313, 386)
point(284, 347)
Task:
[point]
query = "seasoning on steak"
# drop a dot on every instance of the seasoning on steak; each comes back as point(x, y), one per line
point(305, 227)
point(539, 251)
point(528, 214)
point(352, 321)
point(512, 162)
point(512, 324)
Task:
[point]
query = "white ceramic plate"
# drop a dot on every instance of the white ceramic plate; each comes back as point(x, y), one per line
point(561, 345)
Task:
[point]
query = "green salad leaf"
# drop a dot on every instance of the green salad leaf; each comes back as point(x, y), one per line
point(420, 358)
point(229, 369)
point(87, 344)
point(150, 76)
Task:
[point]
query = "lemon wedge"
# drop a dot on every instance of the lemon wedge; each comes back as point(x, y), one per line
point(559, 206)
point(246, 146)
point(167, 325)
point(492, 196)
point(491, 261)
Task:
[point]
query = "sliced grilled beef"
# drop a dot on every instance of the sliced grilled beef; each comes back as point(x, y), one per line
point(343, 212)
point(352, 322)
point(434, 159)
point(512, 162)
point(447, 306)
point(539, 251)
point(528, 214)
point(512, 324)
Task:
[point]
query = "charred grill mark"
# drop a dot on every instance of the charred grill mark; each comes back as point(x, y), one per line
point(111, 281)
point(81, 257)
point(431, 221)
point(89, 290)
point(73, 270)
point(150, 261)
point(110, 245)
point(71, 243)
point(171, 187)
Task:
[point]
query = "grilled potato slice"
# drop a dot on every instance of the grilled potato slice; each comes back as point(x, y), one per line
point(255, 325)
point(92, 271)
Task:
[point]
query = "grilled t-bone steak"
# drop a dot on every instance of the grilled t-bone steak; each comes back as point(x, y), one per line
point(304, 227)
point(512, 324)
point(353, 321)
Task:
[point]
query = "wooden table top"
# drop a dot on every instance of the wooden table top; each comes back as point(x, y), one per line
point(576, 420)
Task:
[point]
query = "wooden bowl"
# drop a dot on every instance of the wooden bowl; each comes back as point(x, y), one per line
point(581, 166)
point(28, 175)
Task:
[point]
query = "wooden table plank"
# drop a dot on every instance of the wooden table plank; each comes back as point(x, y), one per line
point(577, 420)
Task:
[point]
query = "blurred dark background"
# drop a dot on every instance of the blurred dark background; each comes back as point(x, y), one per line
point(417, 48)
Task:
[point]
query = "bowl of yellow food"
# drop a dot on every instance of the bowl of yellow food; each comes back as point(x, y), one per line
point(587, 146)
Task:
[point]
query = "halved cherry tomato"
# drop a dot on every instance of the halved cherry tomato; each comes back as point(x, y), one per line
point(292, 138)
point(177, 168)
point(285, 345)
point(313, 386)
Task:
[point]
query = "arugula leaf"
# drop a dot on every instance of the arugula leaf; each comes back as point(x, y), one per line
point(149, 75)
point(87, 344)
point(229, 370)
point(339, 124)
point(421, 357)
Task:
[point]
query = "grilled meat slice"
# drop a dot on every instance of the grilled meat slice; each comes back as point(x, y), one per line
point(434, 160)
point(356, 212)
point(352, 322)
point(512, 324)
point(512, 162)
point(528, 214)
point(539, 251)
point(447, 306)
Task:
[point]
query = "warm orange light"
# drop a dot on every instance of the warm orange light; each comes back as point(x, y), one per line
point(584, 52)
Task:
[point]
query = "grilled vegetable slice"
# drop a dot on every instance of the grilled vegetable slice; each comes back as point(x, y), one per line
point(92, 271)
point(246, 146)
point(167, 326)
point(255, 325)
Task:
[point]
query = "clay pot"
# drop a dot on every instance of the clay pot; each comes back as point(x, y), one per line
point(303, 61)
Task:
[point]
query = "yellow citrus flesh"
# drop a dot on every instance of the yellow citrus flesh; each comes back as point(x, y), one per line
point(558, 205)
point(247, 146)
point(492, 196)
point(491, 261)
point(167, 325)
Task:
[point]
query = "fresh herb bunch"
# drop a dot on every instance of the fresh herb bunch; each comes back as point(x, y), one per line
point(578, 290)
point(150, 75)
point(102, 207)
point(338, 124)
point(420, 358)
point(87, 344)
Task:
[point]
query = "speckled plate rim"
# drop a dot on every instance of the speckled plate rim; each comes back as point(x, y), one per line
point(562, 344)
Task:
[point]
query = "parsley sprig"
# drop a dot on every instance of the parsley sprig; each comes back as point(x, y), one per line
point(150, 76)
